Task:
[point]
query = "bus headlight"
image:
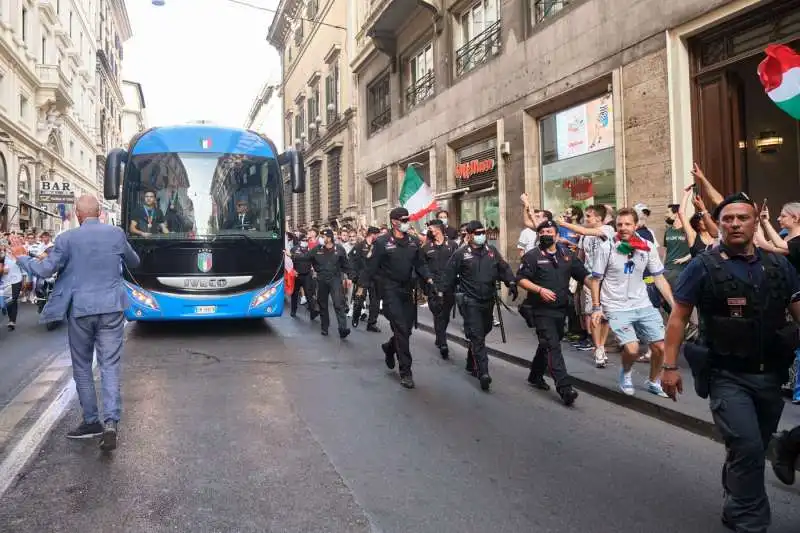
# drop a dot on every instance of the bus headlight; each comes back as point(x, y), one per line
point(263, 296)
point(143, 297)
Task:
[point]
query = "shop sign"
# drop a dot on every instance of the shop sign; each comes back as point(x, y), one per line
point(580, 187)
point(55, 192)
point(469, 169)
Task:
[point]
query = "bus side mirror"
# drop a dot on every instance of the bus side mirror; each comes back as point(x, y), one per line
point(113, 175)
point(297, 170)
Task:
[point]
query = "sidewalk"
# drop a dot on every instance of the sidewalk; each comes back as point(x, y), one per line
point(689, 412)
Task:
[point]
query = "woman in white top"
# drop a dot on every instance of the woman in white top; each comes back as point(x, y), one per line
point(12, 276)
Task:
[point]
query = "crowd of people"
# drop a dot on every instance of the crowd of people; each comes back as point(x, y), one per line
point(723, 274)
point(17, 286)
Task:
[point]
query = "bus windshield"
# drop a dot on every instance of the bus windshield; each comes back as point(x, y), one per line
point(196, 195)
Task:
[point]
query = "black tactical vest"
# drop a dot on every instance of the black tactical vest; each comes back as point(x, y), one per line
point(739, 321)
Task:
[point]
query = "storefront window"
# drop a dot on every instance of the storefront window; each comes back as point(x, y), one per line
point(485, 208)
point(578, 156)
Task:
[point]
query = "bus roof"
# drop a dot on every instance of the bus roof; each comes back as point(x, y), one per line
point(202, 138)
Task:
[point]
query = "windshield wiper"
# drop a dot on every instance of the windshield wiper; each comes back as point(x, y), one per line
point(244, 236)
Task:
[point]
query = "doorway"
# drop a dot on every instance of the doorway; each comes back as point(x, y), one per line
point(732, 115)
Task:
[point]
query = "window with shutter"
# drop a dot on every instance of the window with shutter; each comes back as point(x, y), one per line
point(301, 207)
point(288, 201)
point(334, 182)
point(315, 190)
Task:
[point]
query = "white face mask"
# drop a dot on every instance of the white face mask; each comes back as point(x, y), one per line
point(479, 240)
point(321, 240)
point(303, 244)
point(403, 227)
point(444, 220)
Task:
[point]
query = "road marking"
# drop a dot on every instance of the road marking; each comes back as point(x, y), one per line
point(29, 397)
point(29, 444)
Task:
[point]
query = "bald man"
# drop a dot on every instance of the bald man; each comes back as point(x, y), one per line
point(89, 294)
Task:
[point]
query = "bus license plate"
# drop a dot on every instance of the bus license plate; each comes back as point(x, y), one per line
point(205, 309)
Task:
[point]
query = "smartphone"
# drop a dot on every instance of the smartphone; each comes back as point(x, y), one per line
point(694, 190)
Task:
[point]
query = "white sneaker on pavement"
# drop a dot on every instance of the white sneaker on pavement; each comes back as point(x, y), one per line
point(600, 358)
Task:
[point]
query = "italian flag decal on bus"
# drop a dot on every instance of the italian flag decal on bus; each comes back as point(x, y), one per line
point(416, 195)
point(205, 144)
point(780, 76)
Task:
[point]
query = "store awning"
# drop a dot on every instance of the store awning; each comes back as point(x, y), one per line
point(39, 209)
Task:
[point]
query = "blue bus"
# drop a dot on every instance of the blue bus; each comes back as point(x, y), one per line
point(203, 207)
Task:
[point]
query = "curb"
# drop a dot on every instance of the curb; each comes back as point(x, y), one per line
point(659, 412)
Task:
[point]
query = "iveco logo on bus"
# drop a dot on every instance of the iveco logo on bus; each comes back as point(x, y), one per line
point(465, 171)
point(205, 283)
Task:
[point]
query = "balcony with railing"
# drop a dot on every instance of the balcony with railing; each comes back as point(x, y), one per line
point(384, 19)
point(420, 90)
point(54, 87)
point(479, 50)
point(541, 10)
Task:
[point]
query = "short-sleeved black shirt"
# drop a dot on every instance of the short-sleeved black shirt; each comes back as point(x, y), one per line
point(148, 219)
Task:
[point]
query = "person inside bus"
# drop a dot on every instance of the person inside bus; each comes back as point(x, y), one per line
point(148, 219)
point(242, 219)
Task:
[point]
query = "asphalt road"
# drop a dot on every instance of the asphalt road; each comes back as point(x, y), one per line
point(273, 428)
point(25, 350)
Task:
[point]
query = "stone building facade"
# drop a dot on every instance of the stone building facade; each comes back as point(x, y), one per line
point(573, 102)
point(311, 37)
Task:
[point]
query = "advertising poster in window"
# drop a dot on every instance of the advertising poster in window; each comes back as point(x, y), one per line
point(583, 171)
point(585, 128)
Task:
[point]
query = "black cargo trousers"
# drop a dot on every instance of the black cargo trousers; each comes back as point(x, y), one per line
point(550, 331)
point(399, 308)
point(478, 322)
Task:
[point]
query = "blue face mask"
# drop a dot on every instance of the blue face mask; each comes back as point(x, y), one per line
point(480, 240)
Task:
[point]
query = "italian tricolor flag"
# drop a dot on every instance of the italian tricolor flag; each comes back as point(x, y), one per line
point(780, 76)
point(416, 195)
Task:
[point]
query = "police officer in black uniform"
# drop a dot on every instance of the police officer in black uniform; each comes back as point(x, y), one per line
point(331, 267)
point(545, 272)
point(743, 352)
point(438, 250)
point(393, 259)
point(301, 258)
point(477, 268)
point(358, 262)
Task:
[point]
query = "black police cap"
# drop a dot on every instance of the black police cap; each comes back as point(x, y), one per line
point(372, 230)
point(736, 198)
point(327, 233)
point(398, 213)
point(546, 224)
point(474, 225)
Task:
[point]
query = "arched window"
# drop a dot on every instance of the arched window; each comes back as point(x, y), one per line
point(3, 178)
point(24, 182)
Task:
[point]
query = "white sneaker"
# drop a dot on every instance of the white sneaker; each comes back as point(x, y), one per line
point(600, 358)
point(654, 387)
point(303, 300)
point(626, 382)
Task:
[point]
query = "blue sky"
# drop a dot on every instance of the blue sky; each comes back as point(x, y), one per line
point(200, 59)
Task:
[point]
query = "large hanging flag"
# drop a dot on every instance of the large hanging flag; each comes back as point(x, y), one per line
point(416, 195)
point(780, 76)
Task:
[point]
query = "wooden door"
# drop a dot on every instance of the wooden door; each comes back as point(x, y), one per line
point(717, 129)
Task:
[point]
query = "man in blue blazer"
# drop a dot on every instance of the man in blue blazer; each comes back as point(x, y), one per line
point(89, 294)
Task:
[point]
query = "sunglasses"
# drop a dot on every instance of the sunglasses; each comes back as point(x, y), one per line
point(479, 232)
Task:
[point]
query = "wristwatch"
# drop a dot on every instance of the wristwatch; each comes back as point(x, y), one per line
point(669, 367)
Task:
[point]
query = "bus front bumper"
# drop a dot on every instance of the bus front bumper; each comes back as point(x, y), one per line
point(157, 306)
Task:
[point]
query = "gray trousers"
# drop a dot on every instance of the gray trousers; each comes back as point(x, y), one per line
point(104, 334)
point(746, 410)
